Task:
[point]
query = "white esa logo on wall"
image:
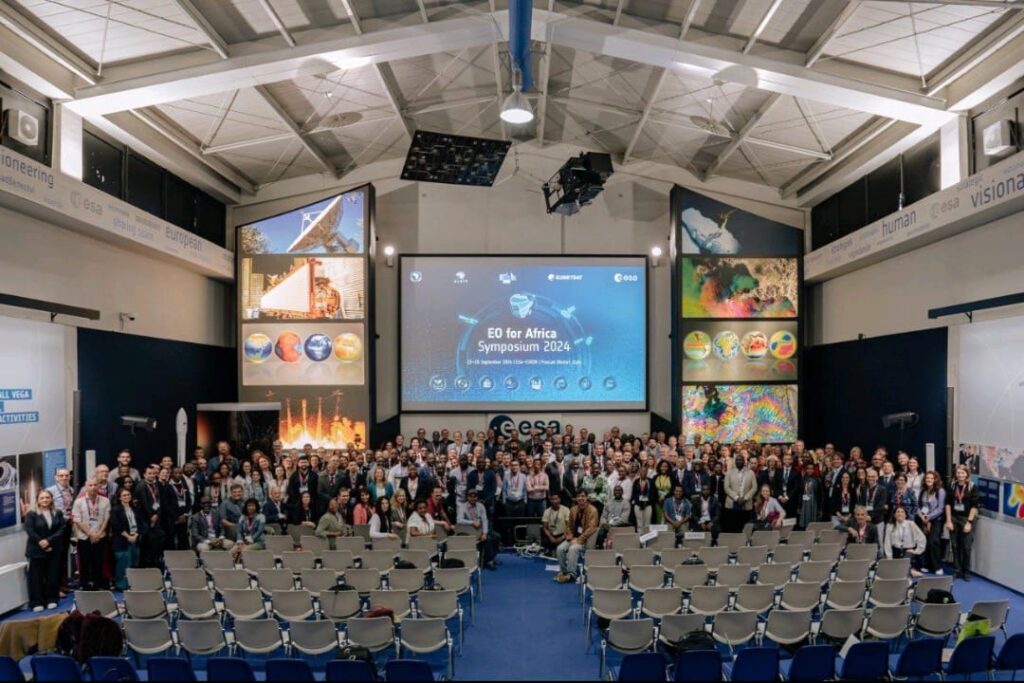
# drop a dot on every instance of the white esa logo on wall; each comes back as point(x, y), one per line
point(503, 424)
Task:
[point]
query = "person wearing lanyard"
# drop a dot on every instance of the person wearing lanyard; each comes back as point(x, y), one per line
point(861, 528)
point(842, 501)
point(147, 492)
point(740, 487)
point(63, 498)
point(205, 530)
point(176, 507)
point(303, 480)
point(930, 515)
point(676, 512)
point(515, 492)
point(644, 499)
point(904, 539)
point(128, 524)
point(873, 497)
point(91, 514)
point(250, 528)
point(961, 511)
point(44, 526)
point(902, 497)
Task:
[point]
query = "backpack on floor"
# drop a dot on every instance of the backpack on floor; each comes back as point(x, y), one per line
point(356, 652)
point(404, 564)
point(695, 640)
point(452, 563)
point(692, 559)
point(937, 596)
point(68, 632)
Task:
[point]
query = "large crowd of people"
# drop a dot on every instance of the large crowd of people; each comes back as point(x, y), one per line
point(578, 485)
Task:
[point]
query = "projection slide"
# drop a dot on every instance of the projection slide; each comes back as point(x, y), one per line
point(308, 354)
point(766, 413)
point(484, 333)
point(739, 351)
point(740, 287)
point(333, 226)
point(715, 228)
point(990, 398)
point(306, 288)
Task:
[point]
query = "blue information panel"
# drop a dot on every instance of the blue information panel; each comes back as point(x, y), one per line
point(486, 333)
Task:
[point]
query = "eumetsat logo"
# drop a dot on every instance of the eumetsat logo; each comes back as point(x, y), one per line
point(19, 417)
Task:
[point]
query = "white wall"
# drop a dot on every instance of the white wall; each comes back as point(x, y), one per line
point(629, 217)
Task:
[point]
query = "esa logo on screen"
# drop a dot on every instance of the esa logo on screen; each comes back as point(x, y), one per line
point(503, 424)
point(626, 277)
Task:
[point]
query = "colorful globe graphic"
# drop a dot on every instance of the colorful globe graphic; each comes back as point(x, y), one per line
point(697, 345)
point(782, 344)
point(754, 345)
point(318, 347)
point(348, 347)
point(288, 347)
point(726, 345)
point(257, 347)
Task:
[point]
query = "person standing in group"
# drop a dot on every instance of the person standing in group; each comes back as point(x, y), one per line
point(961, 512)
point(91, 515)
point(537, 487)
point(676, 513)
point(44, 524)
point(643, 499)
point(63, 499)
point(148, 493)
point(740, 487)
point(931, 512)
point(128, 525)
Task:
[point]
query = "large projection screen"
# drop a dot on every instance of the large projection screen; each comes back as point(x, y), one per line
point(486, 333)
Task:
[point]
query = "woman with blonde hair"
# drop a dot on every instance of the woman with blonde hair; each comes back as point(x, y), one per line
point(44, 524)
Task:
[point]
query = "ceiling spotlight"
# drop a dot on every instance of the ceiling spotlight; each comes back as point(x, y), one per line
point(656, 251)
point(389, 250)
point(516, 109)
point(389, 255)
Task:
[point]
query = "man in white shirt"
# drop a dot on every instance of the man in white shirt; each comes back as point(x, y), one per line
point(90, 515)
point(473, 513)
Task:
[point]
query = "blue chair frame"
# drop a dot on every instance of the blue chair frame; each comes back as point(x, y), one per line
point(920, 658)
point(694, 666)
point(755, 663)
point(866, 661)
point(972, 656)
point(10, 672)
point(100, 669)
point(813, 663)
point(283, 669)
point(55, 668)
point(169, 669)
point(350, 670)
point(642, 666)
point(229, 669)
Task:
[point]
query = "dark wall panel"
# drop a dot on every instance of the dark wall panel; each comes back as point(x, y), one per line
point(123, 374)
point(849, 386)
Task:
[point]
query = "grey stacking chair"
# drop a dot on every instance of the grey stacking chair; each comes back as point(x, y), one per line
point(788, 628)
point(733, 575)
point(817, 572)
point(815, 527)
point(271, 580)
point(418, 558)
point(442, 604)
point(755, 598)
point(317, 580)
point(363, 580)
point(381, 560)
point(893, 569)
point(845, 594)
point(411, 580)
point(777, 575)
point(179, 559)
point(840, 624)
point(803, 539)
point(829, 536)
point(600, 558)
point(628, 636)
point(457, 579)
point(231, 579)
point(145, 579)
point(296, 532)
point(313, 638)
point(734, 628)
point(642, 577)
point(996, 611)
point(147, 636)
point(888, 622)
point(790, 555)
point(765, 537)
point(888, 592)
point(708, 599)
point(145, 604)
point(103, 602)
point(826, 552)
point(694, 543)
point(471, 560)
point(457, 543)
point(853, 570)
point(930, 583)
point(392, 544)
point(279, 544)
point(424, 636)
point(192, 579)
point(937, 620)
point(713, 557)
point(637, 556)
point(353, 544)
point(258, 636)
point(244, 604)
point(424, 543)
point(625, 540)
point(255, 560)
point(753, 555)
point(657, 602)
point(800, 597)
point(603, 577)
point(675, 626)
point(201, 637)
point(297, 560)
point(688, 576)
point(213, 560)
point(338, 560)
point(375, 634)
point(862, 551)
point(195, 603)
point(607, 604)
point(671, 557)
point(663, 541)
point(314, 544)
point(292, 605)
point(732, 541)
point(398, 601)
point(339, 605)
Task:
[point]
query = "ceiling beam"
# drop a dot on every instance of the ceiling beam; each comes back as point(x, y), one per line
point(741, 136)
point(761, 25)
point(760, 142)
point(43, 41)
point(618, 12)
point(303, 138)
point(1008, 29)
point(853, 143)
point(818, 49)
point(782, 71)
point(278, 23)
point(691, 12)
point(205, 27)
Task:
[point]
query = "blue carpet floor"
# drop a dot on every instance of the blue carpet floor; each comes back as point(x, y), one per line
point(530, 628)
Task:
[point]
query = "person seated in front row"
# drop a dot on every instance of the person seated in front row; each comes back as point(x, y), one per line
point(768, 511)
point(677, 513)
point(421, 522)
point(205, 529)
point(582, 525)
point(553, 524)
point(706, 511)
point(332, 524)
point(615, 514)
point(251, 527)
point(860, 528)
point(904, 539)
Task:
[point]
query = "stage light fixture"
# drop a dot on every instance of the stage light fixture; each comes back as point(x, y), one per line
point(516, 108)
point(389, 255)
point(656, 253)
point(134, 422)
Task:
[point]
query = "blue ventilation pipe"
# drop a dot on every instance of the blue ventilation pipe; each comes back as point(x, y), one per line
point(520, 20)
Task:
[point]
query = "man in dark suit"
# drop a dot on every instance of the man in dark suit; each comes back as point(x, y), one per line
point(352, 479)
point(874, 497)
point(792, 487)
point(416, 488)
point(148, 493)
point(694, 478)
point(558, 474)
point(717, 482)
point(302, 480)
point(484, 481)
point(175, 509)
